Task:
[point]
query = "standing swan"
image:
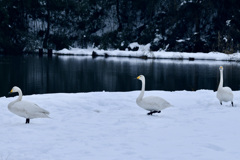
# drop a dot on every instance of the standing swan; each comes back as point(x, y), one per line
point(152, 103)
point(26, 109)
point(224, 93)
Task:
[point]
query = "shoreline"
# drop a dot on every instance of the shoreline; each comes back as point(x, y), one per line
point(211, 56)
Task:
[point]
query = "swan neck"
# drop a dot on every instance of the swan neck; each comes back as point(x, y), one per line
point(19, 95)
point(221, 80)
point(17, 100)
point(142, 91)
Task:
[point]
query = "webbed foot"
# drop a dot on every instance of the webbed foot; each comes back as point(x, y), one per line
point(150, 113)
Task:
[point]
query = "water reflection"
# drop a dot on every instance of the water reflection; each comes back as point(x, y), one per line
point(38, 75)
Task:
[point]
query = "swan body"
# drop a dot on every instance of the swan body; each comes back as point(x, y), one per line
point(26, 109)
point(224, 94)
point(153, 104)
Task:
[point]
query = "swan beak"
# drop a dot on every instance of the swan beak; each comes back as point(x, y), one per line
point(11, 94)
point(138, 77)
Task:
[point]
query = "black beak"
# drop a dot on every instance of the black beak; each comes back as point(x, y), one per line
point(11, 94)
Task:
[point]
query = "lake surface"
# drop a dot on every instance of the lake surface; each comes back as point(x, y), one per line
point(71, 74)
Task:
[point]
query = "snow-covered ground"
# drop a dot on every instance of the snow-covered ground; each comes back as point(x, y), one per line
point(110, 126)
point(145, 51)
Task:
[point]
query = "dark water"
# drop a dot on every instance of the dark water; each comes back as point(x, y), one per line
point(71, 74)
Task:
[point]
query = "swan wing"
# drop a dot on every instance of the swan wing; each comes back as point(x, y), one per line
point(227, 90)
point(29, 110)
point(153, 103)
point(225, 94)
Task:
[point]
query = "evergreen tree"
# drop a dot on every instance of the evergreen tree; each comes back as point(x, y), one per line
point(177, 25)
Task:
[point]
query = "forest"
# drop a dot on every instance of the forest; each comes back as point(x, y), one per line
point(171, 25)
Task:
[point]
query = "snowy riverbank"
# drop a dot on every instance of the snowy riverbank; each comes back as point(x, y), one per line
point(143, 52)
point(110, 126)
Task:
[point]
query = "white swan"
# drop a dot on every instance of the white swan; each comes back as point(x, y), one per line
point(152, 103)
point(26, 109)
point(224, 94)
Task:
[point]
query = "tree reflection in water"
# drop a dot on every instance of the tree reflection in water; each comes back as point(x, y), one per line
point(71, 74)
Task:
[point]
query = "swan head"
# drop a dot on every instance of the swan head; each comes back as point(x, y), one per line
point(15, 89)
point(221, 68)
point(141, 77)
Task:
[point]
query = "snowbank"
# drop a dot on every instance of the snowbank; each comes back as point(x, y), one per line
point(143, 52)
point(110, 126)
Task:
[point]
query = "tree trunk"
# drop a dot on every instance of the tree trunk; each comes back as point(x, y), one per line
point(118, 17)
point(197, 43)
point(45, 41)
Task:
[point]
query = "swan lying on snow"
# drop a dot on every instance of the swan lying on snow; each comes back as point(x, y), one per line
point(153, 104)
point(224, 94)
point(26, 109)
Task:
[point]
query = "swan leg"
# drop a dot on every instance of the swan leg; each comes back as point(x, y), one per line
point(27, 120)
point(232, 103)
point(150, 113)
